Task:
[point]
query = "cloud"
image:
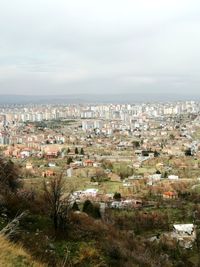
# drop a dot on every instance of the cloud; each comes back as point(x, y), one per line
point(90, 46)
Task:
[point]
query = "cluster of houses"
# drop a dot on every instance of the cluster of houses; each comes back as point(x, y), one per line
point(23, 152)
point(126, 204)
point(94, 195)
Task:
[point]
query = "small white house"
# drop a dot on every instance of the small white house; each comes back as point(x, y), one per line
point(90, 192)
point(78, 163)
point(125, 184)
point(185, 234)
point(173, 177)
point(116, 204)
point(25, 154)
point(52, 164)
point(155, 177)
point(183, 229)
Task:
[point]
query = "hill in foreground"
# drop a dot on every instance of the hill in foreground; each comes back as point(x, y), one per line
point(14, 255)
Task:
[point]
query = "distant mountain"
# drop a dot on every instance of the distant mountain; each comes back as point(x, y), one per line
point(93, 98)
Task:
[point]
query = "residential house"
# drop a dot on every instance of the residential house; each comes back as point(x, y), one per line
point(169, 195)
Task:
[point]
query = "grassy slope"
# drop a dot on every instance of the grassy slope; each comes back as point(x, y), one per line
point(14, 255)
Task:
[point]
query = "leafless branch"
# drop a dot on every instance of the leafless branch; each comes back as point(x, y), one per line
point(12, 228)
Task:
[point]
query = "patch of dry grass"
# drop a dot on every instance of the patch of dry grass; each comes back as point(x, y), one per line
point(14, 255)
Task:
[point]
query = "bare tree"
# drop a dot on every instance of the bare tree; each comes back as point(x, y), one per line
point(57, 202)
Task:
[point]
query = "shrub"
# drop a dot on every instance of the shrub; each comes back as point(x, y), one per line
point(117, 196)
point(92, 210)
point(9, 175)
point(75, 207)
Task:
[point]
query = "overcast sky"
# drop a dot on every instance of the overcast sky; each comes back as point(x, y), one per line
point(93, 46)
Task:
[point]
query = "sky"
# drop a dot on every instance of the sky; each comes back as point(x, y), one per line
point(99, 47)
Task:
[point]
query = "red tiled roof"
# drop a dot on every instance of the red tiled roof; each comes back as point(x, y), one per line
point(169, 193)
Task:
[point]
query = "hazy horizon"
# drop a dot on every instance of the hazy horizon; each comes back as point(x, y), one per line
point(94, 98)
point(100, 47)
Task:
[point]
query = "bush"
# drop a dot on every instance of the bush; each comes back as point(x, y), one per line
point(188, 152)
point(117, 196)
point(92, 210)
point(9, 176)
point(75, 207)
point(123, 170)
point(69, 160)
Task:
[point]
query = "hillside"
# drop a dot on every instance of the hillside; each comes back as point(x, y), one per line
point(14, 255)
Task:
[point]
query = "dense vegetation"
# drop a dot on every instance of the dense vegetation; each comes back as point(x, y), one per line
point(60, 234)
